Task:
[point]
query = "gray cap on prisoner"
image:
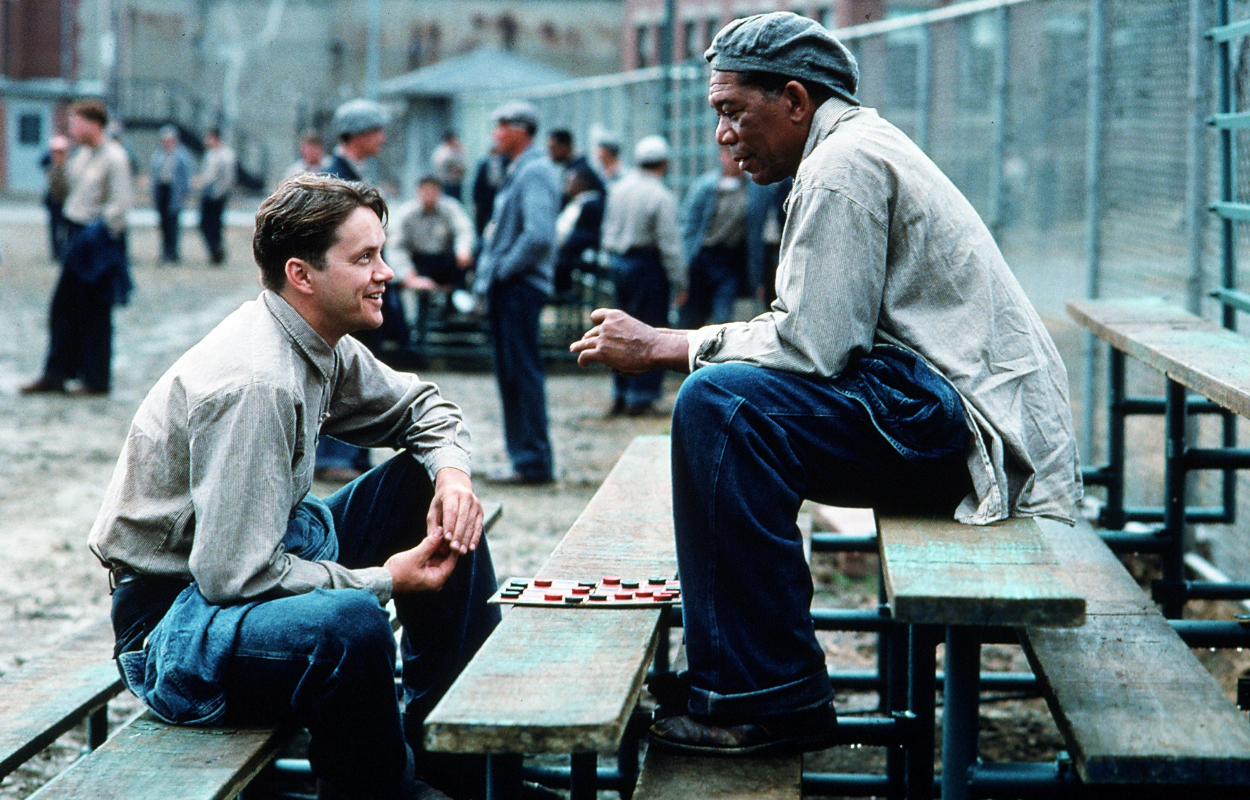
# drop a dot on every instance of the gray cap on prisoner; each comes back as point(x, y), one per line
point(168, 132)
point(518, 111)
point(786, 44)
point(358, 116)
point(650, 151)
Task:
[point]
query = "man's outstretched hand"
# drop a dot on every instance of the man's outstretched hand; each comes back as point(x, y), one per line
point(424, 568)
point(628, 346)
point(453, 528)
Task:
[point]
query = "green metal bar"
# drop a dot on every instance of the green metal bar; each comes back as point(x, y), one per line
point(1230, 121)
point(1233, 298)
point(1229, 31)
point(1236, 212)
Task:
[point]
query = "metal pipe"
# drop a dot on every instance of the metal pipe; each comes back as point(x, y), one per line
point(1096, 69)
point(560, 777)
point(1174, 491)
point(844, 784)
point(850, 619)
point(959, 717)
point(1112, 514)
point(844, 542)
point(1212, 633)
point(1209, 572)
point(1196, 161)
point(1028, 780)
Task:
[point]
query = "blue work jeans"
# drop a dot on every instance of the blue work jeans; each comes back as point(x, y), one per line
point(80, 329)
point(642, 291)
point(514, 310)
point(325, 659)
point(715, 274)
point(749, 444)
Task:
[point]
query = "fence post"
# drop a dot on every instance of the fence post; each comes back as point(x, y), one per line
point(1097, 64)
point(1002, 53)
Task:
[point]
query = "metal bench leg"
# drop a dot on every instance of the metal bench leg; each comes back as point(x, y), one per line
point(584, 777)
point(98, 727)
point(1174, 475)
point(503, 776)
point(959, 716)
point(921, 677)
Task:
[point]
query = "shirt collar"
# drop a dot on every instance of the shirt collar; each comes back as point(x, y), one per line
point(306, 340)
point(825, 120)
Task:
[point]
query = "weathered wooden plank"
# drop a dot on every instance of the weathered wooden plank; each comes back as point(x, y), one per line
point(939, 572)
point(149, 760)
point(1192, 351)
point(1132, 701)
point(666, 776)
point(50, 694)
point(565, 680)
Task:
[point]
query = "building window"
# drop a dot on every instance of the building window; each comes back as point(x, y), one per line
point(30, 129)
point(644, 45)
point(692, 40)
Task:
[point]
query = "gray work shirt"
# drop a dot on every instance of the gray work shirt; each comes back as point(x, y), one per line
point(99, 185)
point(221, 450)
point(642, 212)
point(879, 246)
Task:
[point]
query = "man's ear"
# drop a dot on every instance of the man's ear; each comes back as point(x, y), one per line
point(799, 104)
point(298, 275)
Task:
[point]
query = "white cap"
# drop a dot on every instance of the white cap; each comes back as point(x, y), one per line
point(650, 150)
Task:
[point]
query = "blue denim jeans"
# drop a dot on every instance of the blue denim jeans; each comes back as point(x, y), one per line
point(642, 291)
point(324, 660)
point(749, 445)
point(515, 307)
point(715, 274)
point(336, 454)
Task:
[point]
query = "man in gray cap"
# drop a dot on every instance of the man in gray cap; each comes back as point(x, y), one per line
point(901, 368)
point(515, 276)
point(640, 233)
point(361, 127)
point(171, 181)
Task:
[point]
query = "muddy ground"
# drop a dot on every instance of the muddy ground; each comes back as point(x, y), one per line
point(57, 453)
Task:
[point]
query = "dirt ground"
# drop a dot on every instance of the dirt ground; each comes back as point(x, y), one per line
point(57, 454)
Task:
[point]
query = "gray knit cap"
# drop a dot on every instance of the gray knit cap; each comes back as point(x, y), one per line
point(786, 44)
point(359, 116)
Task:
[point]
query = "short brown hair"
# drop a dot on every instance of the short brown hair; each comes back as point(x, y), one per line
point(301, 220)
point(91, 109)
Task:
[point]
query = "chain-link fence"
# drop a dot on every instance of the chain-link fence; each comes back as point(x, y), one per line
point(1077, 128)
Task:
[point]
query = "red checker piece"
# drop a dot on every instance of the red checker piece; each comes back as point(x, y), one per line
point(611, 580)
point(542, 582)
point(581, 590)
point(643, 594)
point(553, 596)
point(624, 595)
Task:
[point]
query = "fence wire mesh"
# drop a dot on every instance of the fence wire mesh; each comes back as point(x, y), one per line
point(1075, 127)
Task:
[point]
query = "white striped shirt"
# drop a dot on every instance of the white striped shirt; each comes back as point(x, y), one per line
point(221, 451)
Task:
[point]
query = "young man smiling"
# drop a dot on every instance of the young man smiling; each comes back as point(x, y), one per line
point(240, 597)
point(900, 368)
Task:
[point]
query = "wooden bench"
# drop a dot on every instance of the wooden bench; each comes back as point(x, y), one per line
point(1193, 355)
point(50, 694)
point(666, 776)
point(147, 758)
point(560, 680)
point(1134, 704)
point(950, 581)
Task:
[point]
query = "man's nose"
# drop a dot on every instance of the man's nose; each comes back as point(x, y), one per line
point(724, 132)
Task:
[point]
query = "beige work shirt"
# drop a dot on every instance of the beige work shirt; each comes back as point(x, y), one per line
point(99, 185)
point(642, 212)
point(880, 246)
point(221, 452)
